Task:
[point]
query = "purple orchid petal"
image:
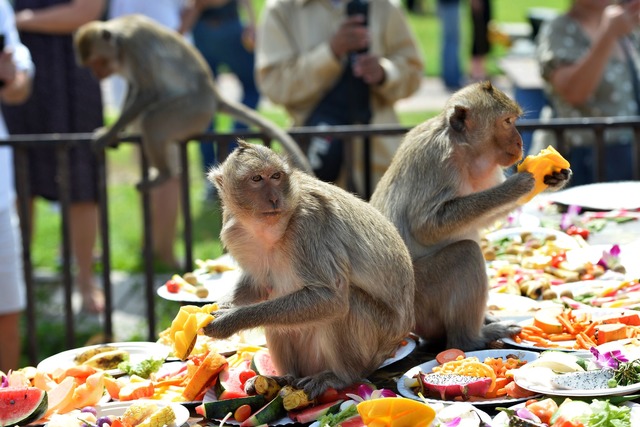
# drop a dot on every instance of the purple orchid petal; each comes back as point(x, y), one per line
point(364, 391)
point(526, 414)
point(453, 423)
point(611, 359)
point(615, 250)
point(5, 381)
point(385, 392)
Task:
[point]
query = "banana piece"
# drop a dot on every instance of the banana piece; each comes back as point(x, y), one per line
point(108, 360)
point(88, 354)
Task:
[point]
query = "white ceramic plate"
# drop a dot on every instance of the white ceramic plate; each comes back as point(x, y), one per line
point(565, 345)
point(563, 240)
point(550, 390)
point(138, 351)
point(502, 419)
point(516, 308)
point(427, 367)
point(602, 196)
point(402, 352)
point(219, 286)
point(118, 408)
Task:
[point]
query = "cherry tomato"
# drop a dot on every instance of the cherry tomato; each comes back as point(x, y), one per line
point(245, 375)
point(173, 287)
point(543, 409)
point(574, 230)
point(562, 422)
point(242, 413)
point(557, 259)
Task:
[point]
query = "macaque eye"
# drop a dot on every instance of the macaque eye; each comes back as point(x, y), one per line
point(276, 175)
point(256, 178)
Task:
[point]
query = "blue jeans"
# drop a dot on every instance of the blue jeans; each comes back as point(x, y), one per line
point(618, 164)
point(221, 44)
point(451, 72)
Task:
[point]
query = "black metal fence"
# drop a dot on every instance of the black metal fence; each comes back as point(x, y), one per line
point(64, 142)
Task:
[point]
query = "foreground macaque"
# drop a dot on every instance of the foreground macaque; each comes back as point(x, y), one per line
point(445, 184)
point(171, 96)
point(325, 273)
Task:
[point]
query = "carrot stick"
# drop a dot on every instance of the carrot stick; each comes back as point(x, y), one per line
point(566, 324)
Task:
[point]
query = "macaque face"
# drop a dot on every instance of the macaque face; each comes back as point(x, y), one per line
point(508, 140)
point(100, 66)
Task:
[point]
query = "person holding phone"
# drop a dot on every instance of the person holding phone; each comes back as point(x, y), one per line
point(590, 62)
point(336, 63)
point(16, 73)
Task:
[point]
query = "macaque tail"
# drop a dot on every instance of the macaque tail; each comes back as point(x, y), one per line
point(251, 117)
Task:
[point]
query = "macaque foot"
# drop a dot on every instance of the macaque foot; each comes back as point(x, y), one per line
point(501, 329)
point(315, 385)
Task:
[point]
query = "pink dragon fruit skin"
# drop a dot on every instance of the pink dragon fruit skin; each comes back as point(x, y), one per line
point(449, 386)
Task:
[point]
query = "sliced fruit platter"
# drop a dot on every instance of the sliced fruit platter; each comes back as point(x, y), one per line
point(482, 377)
point(567, 412)
point(604, 372)
point(575, 330)
point(212, 281)
point(532, 261)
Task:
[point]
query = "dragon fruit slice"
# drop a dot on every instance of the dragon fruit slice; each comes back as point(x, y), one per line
point(449, 386)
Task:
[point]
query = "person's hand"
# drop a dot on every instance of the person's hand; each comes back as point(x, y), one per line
point(619, 20)
point(7, 67)
point(368, 68)
point(352, 36)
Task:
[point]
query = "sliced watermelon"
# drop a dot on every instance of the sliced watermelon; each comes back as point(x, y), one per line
point(270, 412)
point(261, 363)
point(229, 385)
point(219, 409)
point(21, 405)
point(311, 414)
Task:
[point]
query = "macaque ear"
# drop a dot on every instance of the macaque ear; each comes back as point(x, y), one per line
point(457, 118)
point(215, 177)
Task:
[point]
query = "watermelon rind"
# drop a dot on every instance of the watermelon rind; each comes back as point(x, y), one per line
point(311, 414)
point(268, 413)
point(20, 406)
point(261, 363)
point(219, 409)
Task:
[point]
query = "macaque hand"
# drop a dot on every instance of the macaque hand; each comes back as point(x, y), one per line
point(222, 326)
point(521, 182)
point(557, 180)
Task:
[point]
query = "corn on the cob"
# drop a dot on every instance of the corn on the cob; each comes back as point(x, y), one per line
point(160, 418)
point(137, 413)
point(294, 399)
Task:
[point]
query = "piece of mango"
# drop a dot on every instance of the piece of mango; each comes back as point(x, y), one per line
point(540, 165)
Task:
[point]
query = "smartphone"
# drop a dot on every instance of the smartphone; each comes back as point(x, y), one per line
point(1, 41)
point(359, 7)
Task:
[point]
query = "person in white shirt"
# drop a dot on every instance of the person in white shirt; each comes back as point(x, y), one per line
point(16, 73)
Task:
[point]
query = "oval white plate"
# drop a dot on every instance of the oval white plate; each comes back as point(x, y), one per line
point(219, 286)
point(427, 367)
point(596, 313)
point(402, 352)
point(117, 409)
point(138, 351)
point(502, 419)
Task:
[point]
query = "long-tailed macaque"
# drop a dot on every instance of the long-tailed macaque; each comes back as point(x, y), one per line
point(326, 274)
point(172, 94)
point(445, 184)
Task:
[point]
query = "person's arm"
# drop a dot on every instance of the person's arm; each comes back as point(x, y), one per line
point(576, 82)
point(60, 19)
point(401, 59)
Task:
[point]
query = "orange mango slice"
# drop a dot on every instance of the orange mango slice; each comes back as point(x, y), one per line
point(395, 412)
point(540, 165)
point(185, 326)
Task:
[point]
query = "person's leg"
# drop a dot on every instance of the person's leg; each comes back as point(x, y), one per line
point(10, 350)
point(165, 199)
point(449, 14)
point(83, 223)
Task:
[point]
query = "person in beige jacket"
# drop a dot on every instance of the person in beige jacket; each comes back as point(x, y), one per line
point(308, 55)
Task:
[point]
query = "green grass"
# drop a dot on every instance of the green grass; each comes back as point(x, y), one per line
point(125, 215)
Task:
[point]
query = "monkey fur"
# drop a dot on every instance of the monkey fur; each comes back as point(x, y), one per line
point(445, 184)
point(328, 276)
point(171, 90)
